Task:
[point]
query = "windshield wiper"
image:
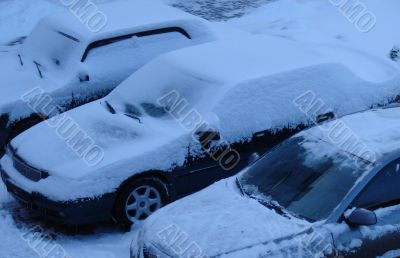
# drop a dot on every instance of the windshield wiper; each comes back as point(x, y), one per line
point(38, 68)
point(20, 60)
point(270, 205)
point(134, 117)
point(240, 186)
point(110, 108)
point(281, 211)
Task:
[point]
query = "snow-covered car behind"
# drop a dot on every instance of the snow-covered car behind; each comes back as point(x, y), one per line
point(75, 65)
point(308, 197)
point(185, 120)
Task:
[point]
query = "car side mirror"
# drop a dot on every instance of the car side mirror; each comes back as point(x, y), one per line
point(83, 77)
point(254, 157)
point(361, 217)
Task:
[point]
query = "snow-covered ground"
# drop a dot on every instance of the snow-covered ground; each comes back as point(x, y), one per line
point(312, 21)
point(316, 21)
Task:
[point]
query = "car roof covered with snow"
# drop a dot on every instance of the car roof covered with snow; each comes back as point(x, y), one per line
point(74, 31)
point(371, 135)
point(122, 18)
point(242, 59)
point(258, 56)
point(260, 77)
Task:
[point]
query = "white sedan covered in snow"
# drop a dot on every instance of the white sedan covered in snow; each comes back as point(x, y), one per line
point(308, 197)
point(185, 120)
point(74, 65)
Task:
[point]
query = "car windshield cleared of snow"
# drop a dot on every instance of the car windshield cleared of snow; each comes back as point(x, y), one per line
point(306, 184)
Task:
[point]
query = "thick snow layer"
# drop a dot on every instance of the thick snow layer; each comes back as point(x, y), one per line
point(59, 57)
point(121, 17)
point(17, 18)
point(129, 147)
point(265, 78)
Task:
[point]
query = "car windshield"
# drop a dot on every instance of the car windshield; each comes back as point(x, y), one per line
point(138, 111)
point(160, 87)
point(50, 47)
point(305, 180)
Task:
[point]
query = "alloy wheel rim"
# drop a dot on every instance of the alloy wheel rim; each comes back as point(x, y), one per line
point(142, 202)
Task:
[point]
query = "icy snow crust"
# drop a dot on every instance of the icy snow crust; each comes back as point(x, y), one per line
point(248, 85)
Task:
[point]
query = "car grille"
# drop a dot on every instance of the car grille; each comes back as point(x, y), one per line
point(24, 169)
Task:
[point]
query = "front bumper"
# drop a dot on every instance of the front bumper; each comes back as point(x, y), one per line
point(76, 212)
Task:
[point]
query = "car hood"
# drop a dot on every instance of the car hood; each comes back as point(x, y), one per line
point(124, 143)
point(219, 220)
point(17, 80)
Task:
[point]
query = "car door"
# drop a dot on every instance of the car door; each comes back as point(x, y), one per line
point(209, 159)
point(109, 61)
point(381, 195)
point(219, 159)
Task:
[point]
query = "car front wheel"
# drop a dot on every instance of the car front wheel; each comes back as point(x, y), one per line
point(138, 200)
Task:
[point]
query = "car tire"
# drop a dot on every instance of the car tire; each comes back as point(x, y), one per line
point(139, 199)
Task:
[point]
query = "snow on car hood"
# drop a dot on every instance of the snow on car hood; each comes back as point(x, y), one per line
point(118, 135)
point(128, 146)
point(219, 220)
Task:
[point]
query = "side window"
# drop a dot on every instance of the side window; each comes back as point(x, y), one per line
point(127, 40)
point(383, 191)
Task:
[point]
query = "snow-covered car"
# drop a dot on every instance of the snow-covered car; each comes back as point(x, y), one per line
point(308, 197)
point(75, 65)
point(184, 121)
